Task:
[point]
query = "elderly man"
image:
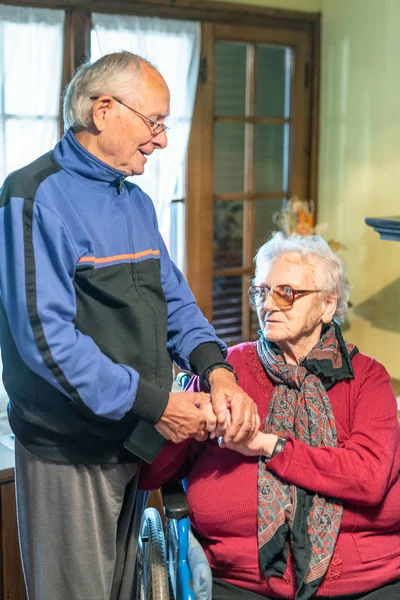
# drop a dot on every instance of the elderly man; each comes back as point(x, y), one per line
point(92, 312)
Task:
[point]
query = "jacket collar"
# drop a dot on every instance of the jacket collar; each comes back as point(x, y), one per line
point(72, 156)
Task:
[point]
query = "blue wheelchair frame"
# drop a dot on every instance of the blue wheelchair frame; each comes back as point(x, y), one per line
point(175, 556)
point(185, 583)
point(184, 579)
point(177, 528)
point(163, 570)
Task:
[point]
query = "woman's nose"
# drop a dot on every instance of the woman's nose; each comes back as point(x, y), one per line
point(268, 303)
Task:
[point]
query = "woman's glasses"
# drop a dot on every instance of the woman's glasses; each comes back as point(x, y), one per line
point(283, 295)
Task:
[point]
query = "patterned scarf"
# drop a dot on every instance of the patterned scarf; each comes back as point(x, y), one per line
point(288, 516)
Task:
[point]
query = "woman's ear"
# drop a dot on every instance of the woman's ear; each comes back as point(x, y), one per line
point(329, 307)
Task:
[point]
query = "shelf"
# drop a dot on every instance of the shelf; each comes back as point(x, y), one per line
point(387, 227)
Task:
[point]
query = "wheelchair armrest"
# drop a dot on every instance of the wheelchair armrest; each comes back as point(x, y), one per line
point(175, 503)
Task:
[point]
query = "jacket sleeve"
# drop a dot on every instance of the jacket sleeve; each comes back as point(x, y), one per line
point(37, 267)
point(188, 329)
point(363, 467)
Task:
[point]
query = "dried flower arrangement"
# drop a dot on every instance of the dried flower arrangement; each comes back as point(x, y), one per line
point(298, 218)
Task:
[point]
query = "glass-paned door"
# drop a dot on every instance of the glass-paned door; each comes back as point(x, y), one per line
point(259, 157)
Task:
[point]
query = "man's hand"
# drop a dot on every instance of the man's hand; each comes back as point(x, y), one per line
point(187, 415)
point(228, 399)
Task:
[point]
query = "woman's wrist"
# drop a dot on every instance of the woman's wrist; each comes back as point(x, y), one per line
point(269, 444)
point(273, 445)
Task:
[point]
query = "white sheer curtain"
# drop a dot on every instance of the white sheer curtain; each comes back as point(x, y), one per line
point(31, 43)
point(174, 48)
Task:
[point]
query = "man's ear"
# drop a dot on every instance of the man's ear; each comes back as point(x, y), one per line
point(100, 111)
point(329, 307)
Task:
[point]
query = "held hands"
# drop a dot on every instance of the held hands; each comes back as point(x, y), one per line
point(187, 415)
point(227, 411)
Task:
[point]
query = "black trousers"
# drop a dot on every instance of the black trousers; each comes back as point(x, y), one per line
point(226, 591)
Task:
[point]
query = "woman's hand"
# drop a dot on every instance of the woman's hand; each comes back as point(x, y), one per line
point(237, 414)
point(261, 444)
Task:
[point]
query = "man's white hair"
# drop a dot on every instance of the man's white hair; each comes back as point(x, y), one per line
point(332, 270)
point(108, 75)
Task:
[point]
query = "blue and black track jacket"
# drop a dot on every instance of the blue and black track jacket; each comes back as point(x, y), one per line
point(92, 308)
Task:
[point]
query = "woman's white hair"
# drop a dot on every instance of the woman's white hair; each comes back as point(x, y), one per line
point(107, 75)
point(331, 267)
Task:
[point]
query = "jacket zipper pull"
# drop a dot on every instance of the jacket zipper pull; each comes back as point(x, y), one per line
point(121, 184)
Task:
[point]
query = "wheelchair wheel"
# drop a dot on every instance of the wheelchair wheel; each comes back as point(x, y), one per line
point(151, 560)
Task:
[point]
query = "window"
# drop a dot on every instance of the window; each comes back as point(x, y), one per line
point(31, 42)
point(252, 136)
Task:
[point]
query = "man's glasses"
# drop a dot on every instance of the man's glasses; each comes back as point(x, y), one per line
point(283, 295)
point(154, 127)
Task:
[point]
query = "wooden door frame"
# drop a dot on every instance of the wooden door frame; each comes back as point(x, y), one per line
point(199, 206)
point(199, 188)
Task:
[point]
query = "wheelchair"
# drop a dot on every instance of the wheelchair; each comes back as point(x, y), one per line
point(171, 565)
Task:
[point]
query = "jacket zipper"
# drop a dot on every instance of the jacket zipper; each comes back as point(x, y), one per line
point(134, 273)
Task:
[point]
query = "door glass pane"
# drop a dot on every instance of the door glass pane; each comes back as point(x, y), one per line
point(271, 158)
point(229, 158)
point(264, 224)
point(227, 308)
point(273, 81)
point(228, 234)
point(230, 78)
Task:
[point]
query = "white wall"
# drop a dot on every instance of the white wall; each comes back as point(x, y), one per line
point(359, 166)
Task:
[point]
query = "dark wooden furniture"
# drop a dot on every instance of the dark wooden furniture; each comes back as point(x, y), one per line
point(387, 227)
point(11, 578)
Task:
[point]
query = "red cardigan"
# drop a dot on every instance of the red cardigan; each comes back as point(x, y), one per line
point(363, 472)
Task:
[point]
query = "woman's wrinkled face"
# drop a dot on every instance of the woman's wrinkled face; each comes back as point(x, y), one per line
point(300, 324)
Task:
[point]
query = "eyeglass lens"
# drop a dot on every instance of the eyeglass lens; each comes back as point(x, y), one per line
point(159, 127)
point(282, 295)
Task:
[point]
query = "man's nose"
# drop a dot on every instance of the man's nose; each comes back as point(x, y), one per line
point(160, 140)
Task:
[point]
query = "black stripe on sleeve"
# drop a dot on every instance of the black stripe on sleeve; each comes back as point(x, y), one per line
point(31, 303)
point(25, 182)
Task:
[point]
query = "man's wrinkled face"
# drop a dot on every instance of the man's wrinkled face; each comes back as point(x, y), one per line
point(128, 140)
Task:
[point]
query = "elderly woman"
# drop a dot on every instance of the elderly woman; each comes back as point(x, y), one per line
point(310, 507)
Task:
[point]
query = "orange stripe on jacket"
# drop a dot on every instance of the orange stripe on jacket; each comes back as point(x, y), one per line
point(105, 259)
